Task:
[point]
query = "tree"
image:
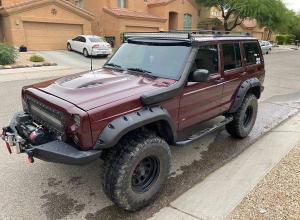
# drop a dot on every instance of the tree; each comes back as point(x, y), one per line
point(268, 13)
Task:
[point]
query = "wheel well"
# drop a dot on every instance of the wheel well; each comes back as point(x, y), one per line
point(160, 128)
point(255, 90)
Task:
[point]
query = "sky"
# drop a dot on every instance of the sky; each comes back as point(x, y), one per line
point(293, 4)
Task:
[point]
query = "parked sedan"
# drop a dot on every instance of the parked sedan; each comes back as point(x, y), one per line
point(266, 47)
point(89, 45)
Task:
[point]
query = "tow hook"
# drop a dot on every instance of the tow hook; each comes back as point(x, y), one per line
point(6, 141)
point(30, 156)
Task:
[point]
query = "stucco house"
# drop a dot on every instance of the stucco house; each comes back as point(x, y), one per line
point(48, 24)
point(212, 20)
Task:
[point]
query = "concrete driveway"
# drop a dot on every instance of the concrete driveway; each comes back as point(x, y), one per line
point(72, 59)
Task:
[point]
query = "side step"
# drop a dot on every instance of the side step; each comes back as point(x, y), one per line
point(204, 132)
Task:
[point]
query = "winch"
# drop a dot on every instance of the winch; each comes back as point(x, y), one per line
point(30, 130)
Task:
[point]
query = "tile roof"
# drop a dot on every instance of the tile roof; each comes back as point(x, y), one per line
point(131, 13)
point(28, 2)
point(164, 2)
point(250, 23)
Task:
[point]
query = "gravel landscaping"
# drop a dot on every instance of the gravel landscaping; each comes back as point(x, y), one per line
point(277, 196)
point(23, 62)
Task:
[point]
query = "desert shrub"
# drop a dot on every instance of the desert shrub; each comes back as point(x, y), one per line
point(8, 54)
point(36, 59)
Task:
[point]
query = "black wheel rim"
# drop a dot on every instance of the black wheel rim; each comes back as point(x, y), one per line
point(145, 174)
point(248, 116)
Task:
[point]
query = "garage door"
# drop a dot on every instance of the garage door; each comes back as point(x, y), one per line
point(141, 29)
point(49, 36)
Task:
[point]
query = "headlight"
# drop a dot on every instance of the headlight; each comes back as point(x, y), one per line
point(76, 120)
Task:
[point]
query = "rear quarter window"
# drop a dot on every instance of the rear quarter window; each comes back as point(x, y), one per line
point(252, 53)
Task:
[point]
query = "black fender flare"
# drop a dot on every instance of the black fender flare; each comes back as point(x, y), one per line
point(120, 126)
point(242, 91)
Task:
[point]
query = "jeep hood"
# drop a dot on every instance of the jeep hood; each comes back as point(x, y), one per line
point(89, 90)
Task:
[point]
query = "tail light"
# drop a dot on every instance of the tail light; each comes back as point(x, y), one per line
point(96, 46)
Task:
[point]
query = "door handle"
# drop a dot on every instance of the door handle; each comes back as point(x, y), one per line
point(219, 80)
point(244, 73)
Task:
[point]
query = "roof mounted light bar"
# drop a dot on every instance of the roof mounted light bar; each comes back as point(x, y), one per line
point(181, 34)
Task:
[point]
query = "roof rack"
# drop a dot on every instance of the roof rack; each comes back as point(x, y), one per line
point(181, 34)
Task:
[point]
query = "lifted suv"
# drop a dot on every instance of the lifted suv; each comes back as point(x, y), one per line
point(155, 88)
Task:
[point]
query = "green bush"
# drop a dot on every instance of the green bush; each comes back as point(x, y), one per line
point(36, 59)
point(285, 39)
point(8, 54)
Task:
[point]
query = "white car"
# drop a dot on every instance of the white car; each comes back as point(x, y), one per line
point(90, 45)
point(266, 47)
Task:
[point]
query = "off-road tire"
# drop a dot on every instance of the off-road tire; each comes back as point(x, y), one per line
point(121, 162)
point(244, 118)
point(85, 52)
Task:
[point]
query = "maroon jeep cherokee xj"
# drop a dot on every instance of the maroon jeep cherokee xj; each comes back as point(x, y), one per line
point(154, 88)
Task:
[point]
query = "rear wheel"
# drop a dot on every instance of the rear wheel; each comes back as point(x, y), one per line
point(85, 52)
point(244, 119)
point(136, 170)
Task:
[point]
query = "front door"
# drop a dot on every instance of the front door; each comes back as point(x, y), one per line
point(201, 101)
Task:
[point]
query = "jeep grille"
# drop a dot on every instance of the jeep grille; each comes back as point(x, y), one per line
point(50, 118)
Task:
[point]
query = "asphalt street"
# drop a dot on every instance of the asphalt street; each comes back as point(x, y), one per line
point(53, 191)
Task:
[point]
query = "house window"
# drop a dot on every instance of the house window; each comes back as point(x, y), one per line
point(122, 3)
point(79, 3)
point(187, 23)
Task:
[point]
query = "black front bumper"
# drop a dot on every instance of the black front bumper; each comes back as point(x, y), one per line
point(55, 151)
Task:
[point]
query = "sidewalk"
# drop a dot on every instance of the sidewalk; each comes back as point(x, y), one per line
point(34, 73)
point(224, 190)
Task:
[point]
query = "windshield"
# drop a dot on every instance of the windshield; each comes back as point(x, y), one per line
point(96, 39)
point(159, 61)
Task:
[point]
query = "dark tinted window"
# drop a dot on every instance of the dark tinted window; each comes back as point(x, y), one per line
point(232, 56)
point(207, 58)
point(82, 39)
point(252, 53)
point(77, 38)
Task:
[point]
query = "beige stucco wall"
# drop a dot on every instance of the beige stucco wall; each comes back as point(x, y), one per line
point(13, 23)
point(181, 8)
point(1, 29)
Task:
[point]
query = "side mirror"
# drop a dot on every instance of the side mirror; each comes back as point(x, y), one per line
point(199, 75)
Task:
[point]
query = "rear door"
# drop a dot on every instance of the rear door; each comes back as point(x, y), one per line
point(201, 101)
point(233, 71)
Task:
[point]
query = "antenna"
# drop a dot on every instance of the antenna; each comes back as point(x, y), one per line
point(92, 58)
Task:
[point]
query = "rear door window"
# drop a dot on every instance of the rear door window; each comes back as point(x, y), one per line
point(232, 56)
point(252, 53)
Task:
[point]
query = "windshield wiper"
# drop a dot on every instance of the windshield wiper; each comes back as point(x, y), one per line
point(114, 66)
point(144, 72)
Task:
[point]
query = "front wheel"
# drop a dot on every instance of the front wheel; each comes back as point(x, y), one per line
point(136, 171)
point(69, 47)
point(85, 52)
point(244, 118)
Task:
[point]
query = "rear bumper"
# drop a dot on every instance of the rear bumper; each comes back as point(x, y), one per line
point(55, 151)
